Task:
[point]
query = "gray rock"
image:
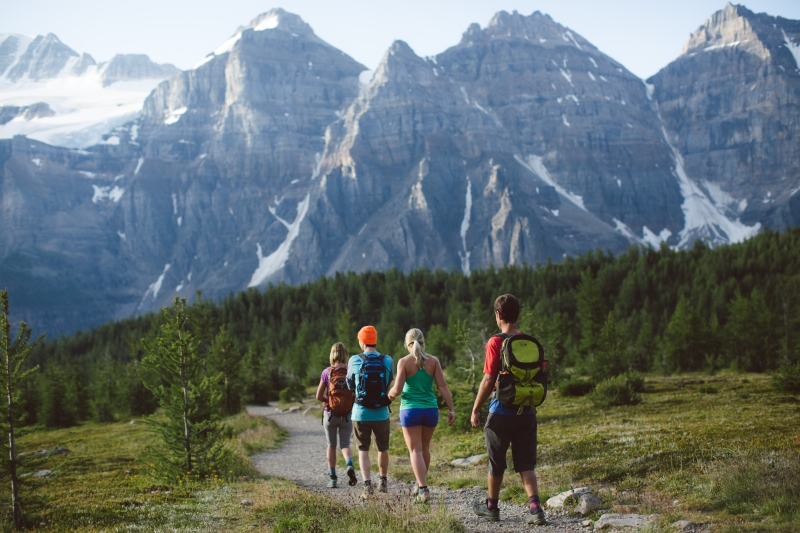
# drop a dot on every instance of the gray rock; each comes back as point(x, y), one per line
point(468, 461)
point(246, 503)
point(588, 503)
point(636, 521)
point(558, 501)
point(682, 525)
point(43, 474)
point(586, 523)
point(293, 409)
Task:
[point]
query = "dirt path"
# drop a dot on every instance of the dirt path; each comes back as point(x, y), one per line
point(302, 460)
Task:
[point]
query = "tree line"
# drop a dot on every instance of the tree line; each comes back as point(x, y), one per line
point(664, 310)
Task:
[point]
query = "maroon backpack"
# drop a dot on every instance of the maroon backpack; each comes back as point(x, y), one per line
point(340, 398)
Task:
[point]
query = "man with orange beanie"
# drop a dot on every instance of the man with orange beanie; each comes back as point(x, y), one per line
point(369, 374)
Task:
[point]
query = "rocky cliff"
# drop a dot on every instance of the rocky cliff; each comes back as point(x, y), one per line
point(731, 103)
point(267, 163)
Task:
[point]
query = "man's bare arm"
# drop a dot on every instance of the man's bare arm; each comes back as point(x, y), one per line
point(484, 390)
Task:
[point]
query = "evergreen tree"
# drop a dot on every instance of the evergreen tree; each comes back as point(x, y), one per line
point(14, 353)
point(175, 373)
point(105, 391)
point(226, 361)
point(590, 312)
point(610, 356)
point(58, 397)
point(752, 334)
point(685, 339)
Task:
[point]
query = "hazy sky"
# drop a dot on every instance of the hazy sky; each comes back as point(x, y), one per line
point(644, 35)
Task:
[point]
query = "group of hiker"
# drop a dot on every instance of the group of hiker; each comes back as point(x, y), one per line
point(356, 392)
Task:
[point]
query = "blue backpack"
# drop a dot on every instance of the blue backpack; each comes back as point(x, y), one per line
point(371, 391)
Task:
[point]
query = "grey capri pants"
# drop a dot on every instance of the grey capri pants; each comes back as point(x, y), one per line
point(337, 424)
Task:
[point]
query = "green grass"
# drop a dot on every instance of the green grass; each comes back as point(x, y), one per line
point(730, 458)
point(104, 485)
point(728, 450)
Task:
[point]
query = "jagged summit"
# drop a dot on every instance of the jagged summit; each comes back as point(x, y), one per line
point(283, 23)
point(736, 27)
point(537, 27)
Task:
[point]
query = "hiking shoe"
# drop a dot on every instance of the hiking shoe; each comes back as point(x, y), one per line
point(384, 485)
point(480, 509)
point(415, 492)
point(351, 474)
point(537, 518)
point(332, 482)
point(368, 490)
point(423, 496)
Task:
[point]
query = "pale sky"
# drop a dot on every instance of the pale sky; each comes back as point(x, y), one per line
point(643, 35)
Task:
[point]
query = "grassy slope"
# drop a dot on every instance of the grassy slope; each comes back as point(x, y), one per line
point(723, 452)
point(104, 485)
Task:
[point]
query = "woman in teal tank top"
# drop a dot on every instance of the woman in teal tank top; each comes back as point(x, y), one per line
point(419, 411)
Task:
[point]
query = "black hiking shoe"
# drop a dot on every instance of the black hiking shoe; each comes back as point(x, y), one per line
point(481, 509)
point(351, 474)
point(383, 486)
point(537, 518)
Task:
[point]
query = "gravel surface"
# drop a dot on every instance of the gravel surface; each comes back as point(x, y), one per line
point(302, 460)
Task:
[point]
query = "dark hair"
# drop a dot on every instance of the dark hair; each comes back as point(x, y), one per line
point(508, 307)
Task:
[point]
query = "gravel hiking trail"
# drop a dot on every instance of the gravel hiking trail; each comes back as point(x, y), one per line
point(301, 459)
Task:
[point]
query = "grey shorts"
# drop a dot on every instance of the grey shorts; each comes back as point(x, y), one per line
point(519, 432)
point(334, 425)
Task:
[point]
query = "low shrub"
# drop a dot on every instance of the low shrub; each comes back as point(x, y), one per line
point(614, 391)
point(636, 380)
point(787, 379)
point(292, 393)
point(575, 387)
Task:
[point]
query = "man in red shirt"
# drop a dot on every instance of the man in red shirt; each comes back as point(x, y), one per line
point(505, 425)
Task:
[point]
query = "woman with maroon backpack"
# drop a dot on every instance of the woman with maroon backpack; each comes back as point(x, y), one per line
point(337, 402)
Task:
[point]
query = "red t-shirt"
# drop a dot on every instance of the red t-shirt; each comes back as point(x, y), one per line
point(491, 366)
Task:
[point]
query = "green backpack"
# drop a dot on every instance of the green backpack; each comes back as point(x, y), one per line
point(522, 381)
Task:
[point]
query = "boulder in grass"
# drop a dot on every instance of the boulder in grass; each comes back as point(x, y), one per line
point(43, 474)
point(246, 503)
point(682, 526)
point(468, 461)
point(589, 502)
point(557, 502)
point(617, 521)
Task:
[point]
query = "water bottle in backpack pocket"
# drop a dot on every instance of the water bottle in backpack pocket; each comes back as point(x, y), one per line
point(372, 387)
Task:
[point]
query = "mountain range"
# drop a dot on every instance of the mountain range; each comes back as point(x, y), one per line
point(270, 161)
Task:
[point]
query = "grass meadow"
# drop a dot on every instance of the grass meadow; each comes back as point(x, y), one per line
point(719, 450)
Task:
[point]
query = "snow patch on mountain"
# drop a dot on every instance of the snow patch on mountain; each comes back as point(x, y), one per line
point(535, 164)
point(269, 265)
point(155, 287)
point(794, 48)
point(464, 228)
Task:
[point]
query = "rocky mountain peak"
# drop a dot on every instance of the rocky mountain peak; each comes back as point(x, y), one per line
point(536, 27)
point(134, 67)
point(278, 19)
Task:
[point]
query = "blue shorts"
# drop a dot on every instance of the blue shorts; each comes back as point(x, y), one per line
point(418, 416)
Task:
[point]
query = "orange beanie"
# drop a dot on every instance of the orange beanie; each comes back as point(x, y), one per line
point(368, 335)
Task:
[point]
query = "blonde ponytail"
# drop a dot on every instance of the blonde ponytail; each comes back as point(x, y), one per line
point(415, 342)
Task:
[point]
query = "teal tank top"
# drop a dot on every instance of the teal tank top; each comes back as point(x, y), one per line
point(418, 392)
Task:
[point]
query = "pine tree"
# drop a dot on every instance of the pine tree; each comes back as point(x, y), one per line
point(752, 334)
point(58, 397)
point(226, 361)
point(14, 355)
point(590, 312)
point(610, 356)
point(189, 396)
point(685, 339)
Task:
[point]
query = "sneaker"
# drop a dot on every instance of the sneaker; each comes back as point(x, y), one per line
point(332, 482)
point(384, 485)
point(368, 490)
point(480, 509)
point(537, 518)
point(423, 496)
point(351, 474)
point(416, 489)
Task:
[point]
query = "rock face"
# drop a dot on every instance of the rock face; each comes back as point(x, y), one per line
point(730, 103)
point(267, 163)
point(123, 67)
